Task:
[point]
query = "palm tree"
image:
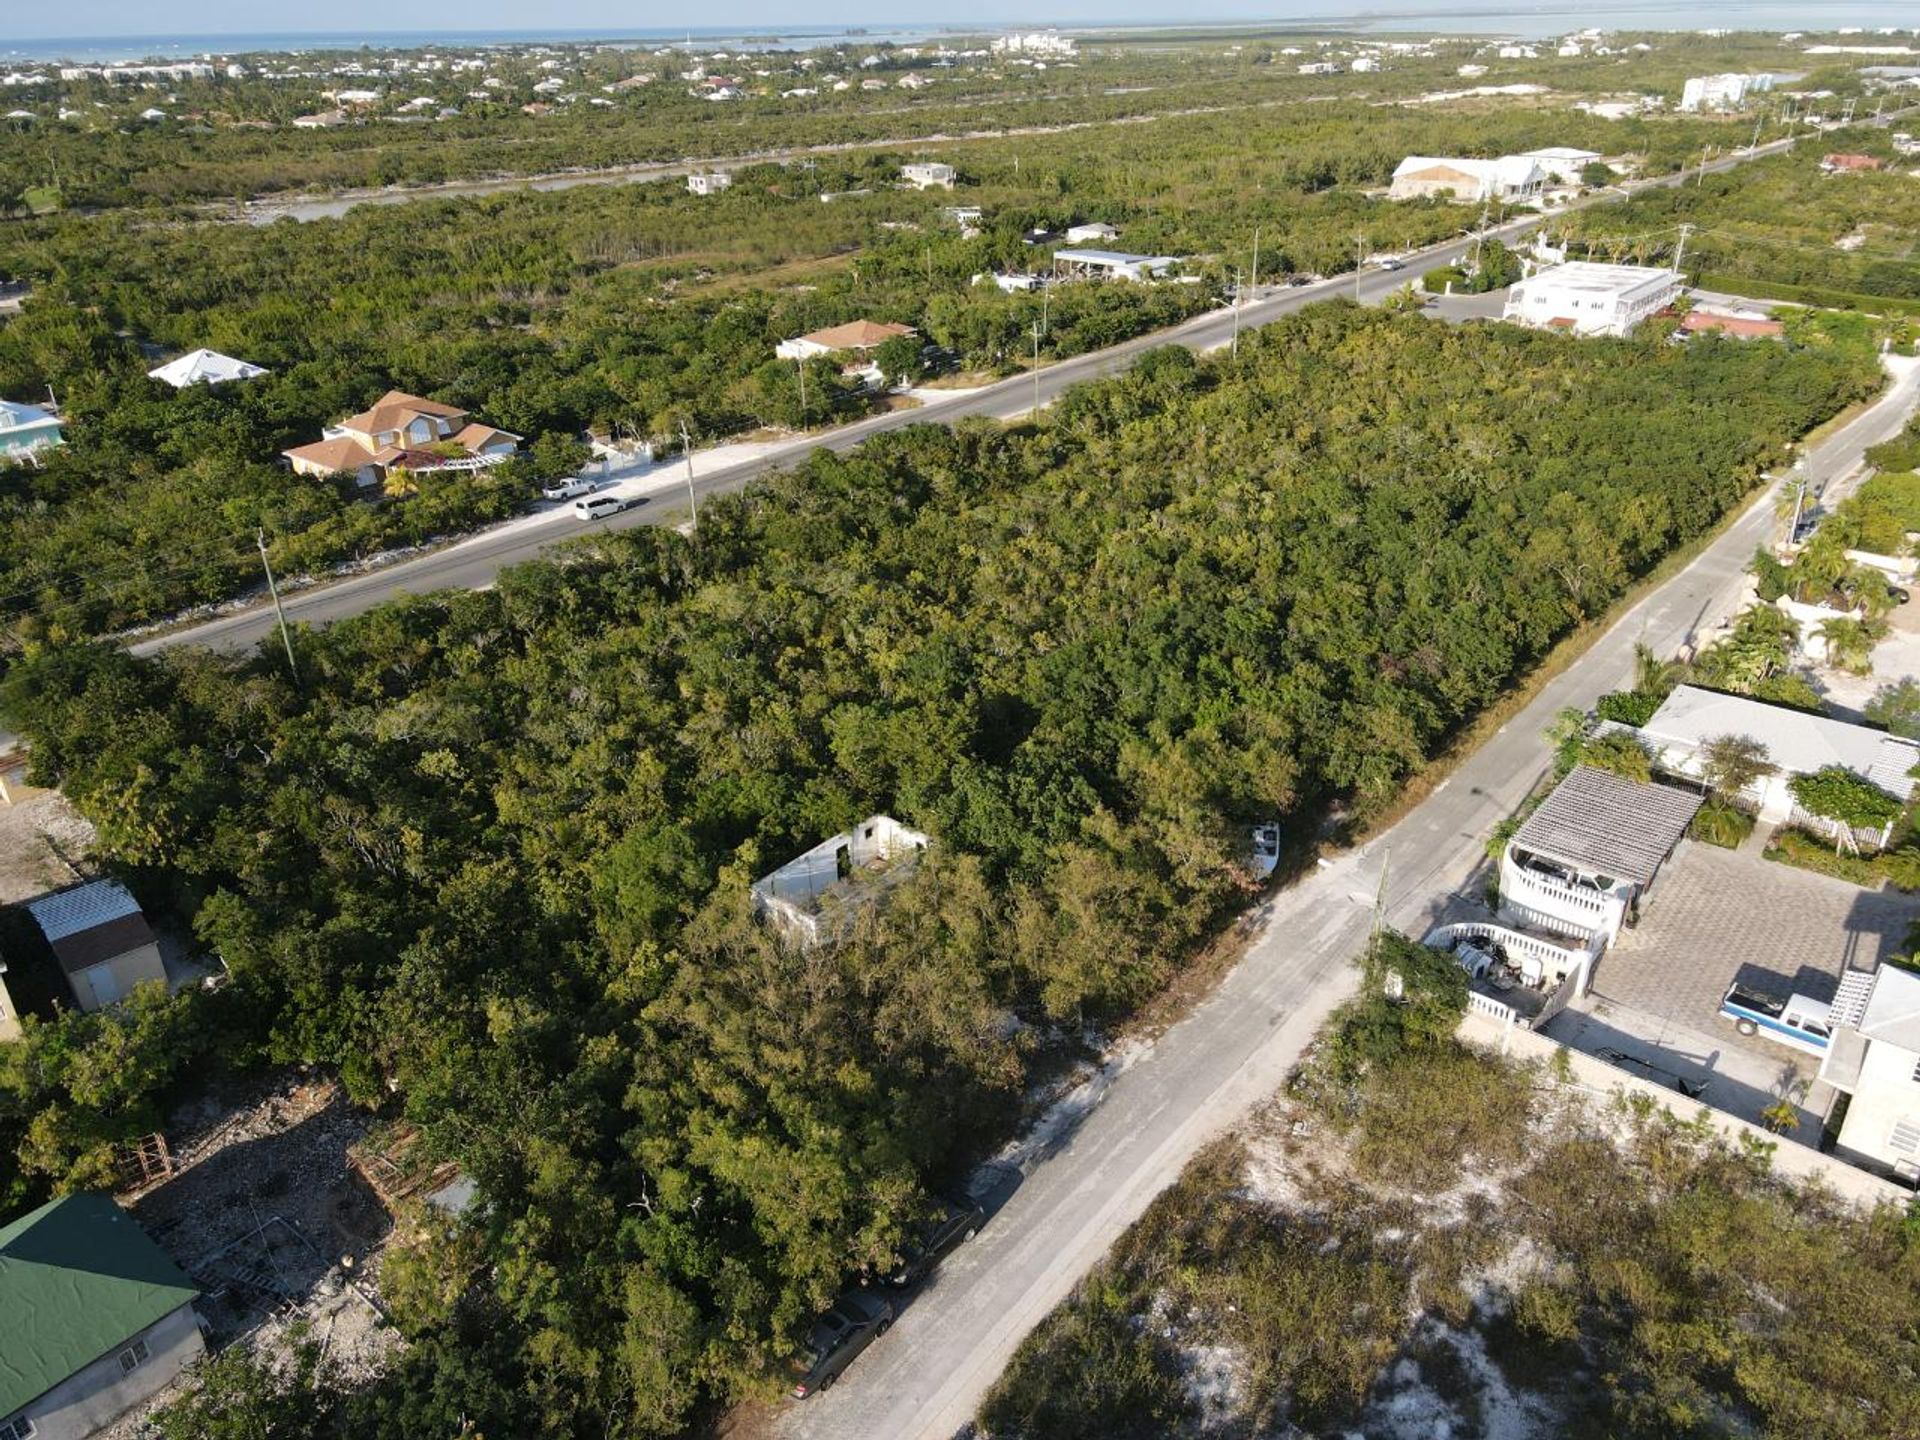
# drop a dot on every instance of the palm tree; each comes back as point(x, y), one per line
point(1651, 674)
point(1849, 643)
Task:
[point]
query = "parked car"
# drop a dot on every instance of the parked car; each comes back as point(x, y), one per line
point(599, 507)
point(933, 1240)
point(1264, 849)
point(1796, 1020)
point(857, 1319)
point(568, 488)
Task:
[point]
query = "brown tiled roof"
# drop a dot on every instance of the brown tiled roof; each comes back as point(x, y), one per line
point(857, 334)
point(475, 436)
point(1745, 326)
point(342, 454)
point(87, 948)
point(395, 408)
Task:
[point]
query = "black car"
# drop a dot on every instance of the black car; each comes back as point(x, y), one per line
point(930, 1242)
point(856, 1320)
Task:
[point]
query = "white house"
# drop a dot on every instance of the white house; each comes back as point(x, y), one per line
point(1561, 164)
point(1721, 92)
point(1589, 298)
point(1035, 42)
point(856, 336)
point(1582, 861)
point(26, 430)
point(1796, 743)
point(1422, 177)
point(711, 183)
point(103, 943)
point(204, 367)
point(815, 895)
point(926, 175)
point(1096, 230)
point(1873, 1056)
point(1110, 264)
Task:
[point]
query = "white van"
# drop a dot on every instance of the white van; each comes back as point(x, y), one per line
point(599, 507)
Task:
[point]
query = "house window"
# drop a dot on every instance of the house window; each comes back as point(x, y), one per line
point(1905, 1138)
point(20, 1427)
point(133, 1357)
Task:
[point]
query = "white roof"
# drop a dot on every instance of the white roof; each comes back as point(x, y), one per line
point(204, 367)
point(15, 416)
point(1508, 170)
point(81, 908)
point(1558, 152)
point(1592, 277)
point(1111, 257)
point(1797, 742)
point(1881, 1005)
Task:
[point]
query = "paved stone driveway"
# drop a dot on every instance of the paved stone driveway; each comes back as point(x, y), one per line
point(1720, 915)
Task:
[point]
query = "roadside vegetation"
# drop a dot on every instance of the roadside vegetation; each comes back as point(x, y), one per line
point(489, 857)
point(1420, 1238)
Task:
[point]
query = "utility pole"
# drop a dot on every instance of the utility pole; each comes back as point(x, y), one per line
point(1036, 371)
point(1680, 252)
point(1359, 252)
point(1236, 314)
point(1700, 175)
point(1754, 144)
point(1046, 299)
point(1256, 259)
point(686, 448)
point(273, 589)
point(800, 364)
point(1479, 232)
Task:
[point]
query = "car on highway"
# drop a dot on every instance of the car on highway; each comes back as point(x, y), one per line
point(1392, 262)
point(599, 507)
point(856, 1320)
point(931, 1241)
point(568, 488)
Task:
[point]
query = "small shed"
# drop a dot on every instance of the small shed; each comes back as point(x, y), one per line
point(103, 943)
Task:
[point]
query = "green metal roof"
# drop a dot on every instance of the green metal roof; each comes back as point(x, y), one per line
point(77, 1278)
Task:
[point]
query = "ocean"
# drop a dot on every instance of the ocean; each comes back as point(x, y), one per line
point(1522, 20)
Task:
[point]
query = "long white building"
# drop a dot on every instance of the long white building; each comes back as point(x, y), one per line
point(1592, 299)
point(1721, 92)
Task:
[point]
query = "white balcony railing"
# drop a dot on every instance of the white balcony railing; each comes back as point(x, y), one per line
point(1589, 915)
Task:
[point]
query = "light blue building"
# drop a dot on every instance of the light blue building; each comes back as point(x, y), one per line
point(27, 429)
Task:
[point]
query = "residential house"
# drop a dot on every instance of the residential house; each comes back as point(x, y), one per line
point(102, 942)
point(857, 336)
point(1110, 264)
point(709, 184)
point(926, 175)
point(1096, 231)
point(1839, 164)
point(1561, 164)
point(26, 430)
point(1583, 861)
point(205, 367)
point(94, 1319)
point(814, 896)
point(402, 432)
point(1796, 743)
point(1873, 1057)
point(1424, 177)
point(1589, 298)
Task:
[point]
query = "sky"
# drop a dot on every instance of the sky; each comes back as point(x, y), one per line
point(79, 18)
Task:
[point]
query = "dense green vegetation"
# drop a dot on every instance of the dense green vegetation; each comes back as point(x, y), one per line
point(1632, 1274)
point(1779, 222)
point(490, 859)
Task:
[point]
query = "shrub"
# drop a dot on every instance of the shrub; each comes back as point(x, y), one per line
point(1837, 793)
point(1716, 823)
point(1435, 282)
point(1628, 707)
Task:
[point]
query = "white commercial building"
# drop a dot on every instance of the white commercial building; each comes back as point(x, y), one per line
point(1422, 177)
point(1592, 299)
point(1721, 92)
point(711, 183)
point(1110, 264)
point(1561, 164)
point(1035, 42)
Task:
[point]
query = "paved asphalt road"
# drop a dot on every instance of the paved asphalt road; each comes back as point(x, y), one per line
point(474, 563)
point(925, 1378)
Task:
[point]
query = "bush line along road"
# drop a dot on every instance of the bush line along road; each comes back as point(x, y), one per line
point(473, 563)
point(926, 1379)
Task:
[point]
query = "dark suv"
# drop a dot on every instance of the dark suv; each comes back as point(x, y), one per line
point(856, 1320)
point(930, 1242)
